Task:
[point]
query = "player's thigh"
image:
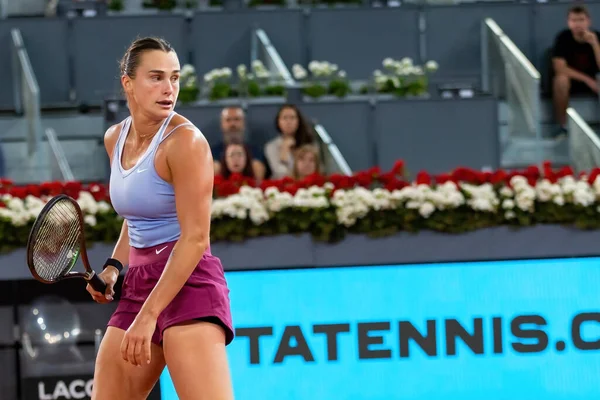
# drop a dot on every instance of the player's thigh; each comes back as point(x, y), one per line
point(197, 361)
point(116, 379)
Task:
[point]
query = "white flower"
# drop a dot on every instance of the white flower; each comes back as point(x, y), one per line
point(506, 192)
point(187, 70)
point(546, 191)
point(583, 194)
point(482, 197)
point(87, 203)
point(431, 66)
point(90, 220)
point(508, 204)
point(299, 72)
point(15, 204)
point(242, 71)
point(426, 209)
point(103, 207)
point(559, 200)
point(322, 68)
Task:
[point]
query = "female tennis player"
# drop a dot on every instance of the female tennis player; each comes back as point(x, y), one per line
point(174, 308)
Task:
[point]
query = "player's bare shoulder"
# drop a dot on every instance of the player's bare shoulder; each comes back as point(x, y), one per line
point(110, 138)
point(186, 134)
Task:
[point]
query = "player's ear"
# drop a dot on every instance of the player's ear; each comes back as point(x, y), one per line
point(127, 83)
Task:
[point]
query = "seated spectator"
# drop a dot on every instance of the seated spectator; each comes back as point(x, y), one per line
point(236, 159)
point(576, 57)
point(233, 129)
point(294, 132)
point(306, 161)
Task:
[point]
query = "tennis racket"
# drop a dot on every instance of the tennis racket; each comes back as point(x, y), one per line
point(56, 241)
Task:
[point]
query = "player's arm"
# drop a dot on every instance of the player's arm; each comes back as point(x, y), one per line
point(190, 164)
point(121, 249)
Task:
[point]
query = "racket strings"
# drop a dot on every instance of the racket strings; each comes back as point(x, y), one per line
point(57, 243)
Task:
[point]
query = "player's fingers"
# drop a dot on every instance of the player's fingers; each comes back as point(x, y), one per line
point(131, 350)
point(99, 298)
point(138, 353)
point(124, 343)
point(147, 350)
point(91, 290)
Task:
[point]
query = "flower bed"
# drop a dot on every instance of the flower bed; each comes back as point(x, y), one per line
point(370, 202)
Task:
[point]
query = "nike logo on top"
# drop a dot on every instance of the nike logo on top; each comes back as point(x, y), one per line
point(142, 170)
point(160, 251)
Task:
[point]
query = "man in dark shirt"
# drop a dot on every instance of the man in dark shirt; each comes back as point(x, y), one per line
point(576, 57)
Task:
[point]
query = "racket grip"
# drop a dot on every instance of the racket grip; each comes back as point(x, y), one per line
point(98, 284)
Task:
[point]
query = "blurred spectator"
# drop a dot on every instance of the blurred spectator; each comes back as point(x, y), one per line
point(576, 56)
point(306, 161)
point(294, 132)
point(233, 129)
point(237, 159)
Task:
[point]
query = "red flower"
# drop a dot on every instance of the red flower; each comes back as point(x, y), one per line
point(442, 178)
point(374, 172)
point(336, 179)
point(227, 188)
point(314, 180)
point(267, 183)
point(218, 179)
point(386, 178)
point(423, 178)
point(498, 177)
point(565, 171)
point(291, 189)
point(51, 188)
point(363, 178)
point(593, 175)
point(19, 192)
point(33, 190)
point(398, 168)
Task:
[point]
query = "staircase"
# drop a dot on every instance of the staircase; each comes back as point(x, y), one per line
point(81, 136)
point(523, 151)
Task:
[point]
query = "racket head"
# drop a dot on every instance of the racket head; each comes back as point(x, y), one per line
point(56, 240)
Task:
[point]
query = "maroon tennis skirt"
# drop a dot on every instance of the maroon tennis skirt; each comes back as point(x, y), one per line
point(205, 295)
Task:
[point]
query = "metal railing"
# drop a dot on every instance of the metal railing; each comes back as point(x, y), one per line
point(584, 144)
point(26, 93)
point(60, 169)
point(509, 75)
point(331, 157)
point(263, 50)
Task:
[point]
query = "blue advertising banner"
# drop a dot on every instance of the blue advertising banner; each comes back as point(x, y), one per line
point(483, 330)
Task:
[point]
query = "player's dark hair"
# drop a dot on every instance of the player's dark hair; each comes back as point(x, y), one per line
point(579, 9)
point(131, 59)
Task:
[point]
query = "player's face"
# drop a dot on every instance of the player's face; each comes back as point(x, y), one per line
point(288, 121)
point(578, 23)
point(156, 84)
point(235, 157)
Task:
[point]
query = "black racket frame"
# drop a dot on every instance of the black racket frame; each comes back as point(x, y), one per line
point(89, 275)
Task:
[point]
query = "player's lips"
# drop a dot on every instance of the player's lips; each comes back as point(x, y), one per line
point(165, 103)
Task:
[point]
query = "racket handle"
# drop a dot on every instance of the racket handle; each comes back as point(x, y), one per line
point(98, 284)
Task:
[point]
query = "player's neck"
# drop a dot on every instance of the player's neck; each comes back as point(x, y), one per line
point(143, 127)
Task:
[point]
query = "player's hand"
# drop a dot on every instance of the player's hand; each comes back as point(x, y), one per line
point(109, 276)
point(136, 344)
